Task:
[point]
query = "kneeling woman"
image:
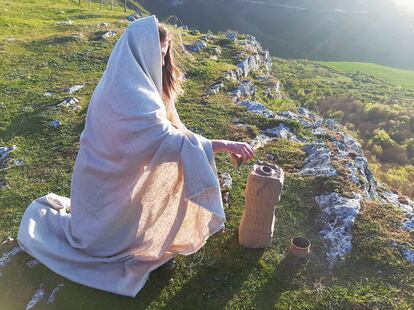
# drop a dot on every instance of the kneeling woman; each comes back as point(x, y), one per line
point(144, 188)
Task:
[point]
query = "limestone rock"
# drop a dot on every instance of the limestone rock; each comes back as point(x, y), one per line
point(134, 16)
point(4, 154)
point(55, 123)
point(108, 34)
point(245, 90)
point(338, 214)
point(225, 181)
point(65, 22)
point(74, 88)
point(318, 161)
point(215, 88)
point(70, 103)
point(284, 132)
point(256, 107)
point(232, 36)
point(197, 46)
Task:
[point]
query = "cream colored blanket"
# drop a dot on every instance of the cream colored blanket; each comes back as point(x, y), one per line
point(142, 190)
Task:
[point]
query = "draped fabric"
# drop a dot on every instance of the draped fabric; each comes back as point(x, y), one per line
point(142, 190)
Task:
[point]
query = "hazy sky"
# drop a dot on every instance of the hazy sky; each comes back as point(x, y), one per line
point(405, 4)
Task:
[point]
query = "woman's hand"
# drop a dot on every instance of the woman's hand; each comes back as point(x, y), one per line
point(241, 149)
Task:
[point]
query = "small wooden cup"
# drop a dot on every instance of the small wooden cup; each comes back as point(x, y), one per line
point(299, 246)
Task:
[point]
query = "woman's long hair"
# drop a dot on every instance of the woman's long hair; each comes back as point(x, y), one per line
point(171, 73)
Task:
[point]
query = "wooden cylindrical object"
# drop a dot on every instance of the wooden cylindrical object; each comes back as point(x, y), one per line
point(262, 193)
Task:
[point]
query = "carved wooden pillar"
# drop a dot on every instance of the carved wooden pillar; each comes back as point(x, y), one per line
point(262, 193)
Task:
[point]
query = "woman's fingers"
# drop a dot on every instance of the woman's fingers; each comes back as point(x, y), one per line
point(249, 151)
point(245, 155)
point(242, 149)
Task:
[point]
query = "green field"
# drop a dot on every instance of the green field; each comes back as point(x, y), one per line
point(398, 77)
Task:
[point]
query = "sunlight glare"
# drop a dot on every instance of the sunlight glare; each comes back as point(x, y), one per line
point(405, 4)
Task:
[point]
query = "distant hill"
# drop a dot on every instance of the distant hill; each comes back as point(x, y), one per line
point(401, 78)
point(342, 30)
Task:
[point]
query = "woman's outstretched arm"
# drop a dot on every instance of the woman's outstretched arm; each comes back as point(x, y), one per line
point(242, 149)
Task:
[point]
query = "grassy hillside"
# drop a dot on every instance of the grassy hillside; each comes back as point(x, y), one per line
point(398, 77)
point(381, 112)
point(39, 59)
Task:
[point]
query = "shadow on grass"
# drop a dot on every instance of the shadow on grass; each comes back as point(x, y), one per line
point(28, 123)
point(213, 286)
point(20, 283)
point(281, 281)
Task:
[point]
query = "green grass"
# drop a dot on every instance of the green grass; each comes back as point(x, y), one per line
point(398, 77)
point(44, 57)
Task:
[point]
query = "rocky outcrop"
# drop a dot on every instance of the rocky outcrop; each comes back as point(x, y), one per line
point(256, 107)
point(337, 218)
point(284, 132)
point(134, 16)
point(232, 36)
point(215, 88)
point(318, 162)
point(246, 89)
point(328, 147)
point(197, 46)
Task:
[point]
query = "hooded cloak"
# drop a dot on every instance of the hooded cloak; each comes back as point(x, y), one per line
point(142, 190)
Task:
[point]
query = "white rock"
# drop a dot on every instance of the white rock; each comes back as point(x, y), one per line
point(32, 263)
point(197, 46)
point(18, 163)
point(5, 152)
point(232, 36)
point(70, 103)
point(7, 256)
point(244, 90)
point(303, 111)
point(8, 239)
point(215, 89)
point(66, 22)
point(37, 297)
point(134, 16)
point(319, 131)
point(52, 295)
point(407, 209)
point(408, 255)
point(256, 107)
point(55, 123)
point(337, 218)
point(284, 132)
point(108, 34)
point(318, 162)
point(74, 88)
point(261, 139)
point(289, 115)
point(225, 181)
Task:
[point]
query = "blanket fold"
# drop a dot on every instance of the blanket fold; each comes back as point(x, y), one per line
point(142, 190)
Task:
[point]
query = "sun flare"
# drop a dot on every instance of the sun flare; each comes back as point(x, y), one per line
point(405, 4)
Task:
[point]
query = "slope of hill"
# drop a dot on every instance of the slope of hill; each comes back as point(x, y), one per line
point(380, 112)
point(361, 232)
